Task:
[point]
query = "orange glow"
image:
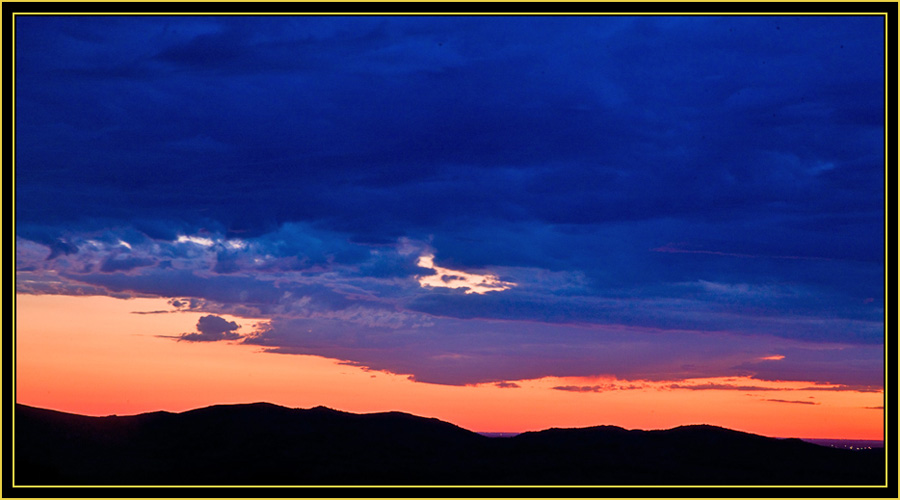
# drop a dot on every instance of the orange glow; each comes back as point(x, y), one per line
point(91, 355)
point(449, 278)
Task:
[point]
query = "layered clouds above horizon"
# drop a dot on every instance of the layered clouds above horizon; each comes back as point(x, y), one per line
point(470, 199)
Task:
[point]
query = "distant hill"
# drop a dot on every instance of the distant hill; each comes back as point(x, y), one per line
point(265, 444)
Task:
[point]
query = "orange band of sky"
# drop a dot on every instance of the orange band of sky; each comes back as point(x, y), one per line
point(92, 355)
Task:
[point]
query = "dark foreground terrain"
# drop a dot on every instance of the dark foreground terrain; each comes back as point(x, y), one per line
point(264, 444)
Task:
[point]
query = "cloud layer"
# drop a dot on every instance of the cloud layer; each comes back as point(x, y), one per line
point(654, 198)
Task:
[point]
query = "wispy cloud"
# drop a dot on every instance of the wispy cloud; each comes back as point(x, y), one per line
point(599, 387)
point(674, 249)
point(584, 388)
point(724, 387)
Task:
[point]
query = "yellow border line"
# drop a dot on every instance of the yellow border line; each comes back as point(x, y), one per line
point(887, 255)
point(434, 14)
point(472, 2)
point(439, 14)
point(2, 252)
point(13, 167)
point(452, 486)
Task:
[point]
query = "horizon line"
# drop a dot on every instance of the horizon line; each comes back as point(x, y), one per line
point(483, 433)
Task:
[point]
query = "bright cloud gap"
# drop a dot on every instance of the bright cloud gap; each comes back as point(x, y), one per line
point(234, 244)
point(450, 278)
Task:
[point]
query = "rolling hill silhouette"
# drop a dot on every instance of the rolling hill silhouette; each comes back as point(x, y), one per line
point(265, 444)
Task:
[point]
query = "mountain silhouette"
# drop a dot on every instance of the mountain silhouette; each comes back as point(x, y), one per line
point(266, 444)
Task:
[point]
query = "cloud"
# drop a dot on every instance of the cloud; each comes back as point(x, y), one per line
point(754, 388)
point(845, 387)
point(39, 283)
point(460, 352)
point(861, 366)
point(600, 176)
point(724, 387)
point(598, 387)
point(682, 312)
point(327, 303)
point(189, 303)
point(319, 65)
point(115, 264)
point(671, 249)
point(61, 247)
point(449, 278)
point(795, 402)
point(507, 385)
point(212, 328)
point(592, 388)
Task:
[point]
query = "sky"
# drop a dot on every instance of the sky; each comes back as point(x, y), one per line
point(509, 223)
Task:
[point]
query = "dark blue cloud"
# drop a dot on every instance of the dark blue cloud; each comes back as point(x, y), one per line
point(457, 352)
point(682, 174)
point(364, 106)
point(125, 263)
point(212, 328)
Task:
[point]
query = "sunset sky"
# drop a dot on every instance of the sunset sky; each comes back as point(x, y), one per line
point(509, 223)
